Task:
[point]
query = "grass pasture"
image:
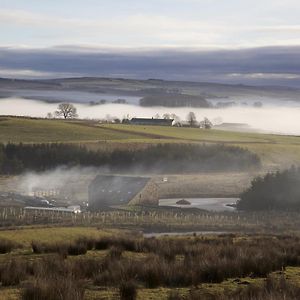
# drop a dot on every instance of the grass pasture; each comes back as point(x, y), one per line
point(274, 150)
point(26, 130)
point(198, 135)
point(52, 234)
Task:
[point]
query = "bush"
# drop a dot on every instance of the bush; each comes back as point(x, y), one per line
point(174, 295)
point(128, 290)
point(88, 242)
point(77, 249)
point(7, 246)
point(60, 248)
point(103, 243)
point(273, 288)
point(53, 288)
point(12, 273)
point(115, 252)
point(274, 191)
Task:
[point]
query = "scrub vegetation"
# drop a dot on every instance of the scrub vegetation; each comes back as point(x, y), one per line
point(129, 266)
point(253, 253)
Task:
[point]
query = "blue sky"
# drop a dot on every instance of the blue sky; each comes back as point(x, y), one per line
point(152, 23)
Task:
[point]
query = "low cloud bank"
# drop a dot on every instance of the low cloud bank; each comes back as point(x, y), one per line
point(271, 119)
point(255, 66)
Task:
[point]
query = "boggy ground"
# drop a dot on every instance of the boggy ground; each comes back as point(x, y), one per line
point(87, 263)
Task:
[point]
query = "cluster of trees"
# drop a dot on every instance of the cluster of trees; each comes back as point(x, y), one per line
point(175, 100)
point(103, 101)
point(69, 111)
point(227, 104)
point(274, 191)
point(158, 158)
point(192, 121)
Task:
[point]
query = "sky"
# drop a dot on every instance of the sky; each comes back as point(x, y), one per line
point(152, 23)
point(149, 28)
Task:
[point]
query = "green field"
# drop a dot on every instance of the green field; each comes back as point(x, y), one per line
point(274, 150)
point(198, 135)
point(25, 235)
point(24, 130)
point(14, 129)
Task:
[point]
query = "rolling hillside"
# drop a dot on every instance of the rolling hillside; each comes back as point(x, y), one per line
point(274, 150)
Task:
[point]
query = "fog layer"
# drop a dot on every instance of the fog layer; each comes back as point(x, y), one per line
point(69, 180)
point(272, 118)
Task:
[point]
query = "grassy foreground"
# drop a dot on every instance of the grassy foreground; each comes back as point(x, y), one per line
point(25, 235)
point(87, 263)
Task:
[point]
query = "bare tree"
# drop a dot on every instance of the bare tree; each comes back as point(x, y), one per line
point(191, 118)
point(206, 124)
point(175, 117)
point(126, 119)
point(67, 110)
point(49, 115)
point(167, 116)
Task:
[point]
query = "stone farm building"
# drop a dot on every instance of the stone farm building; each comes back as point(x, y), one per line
point(111, 190)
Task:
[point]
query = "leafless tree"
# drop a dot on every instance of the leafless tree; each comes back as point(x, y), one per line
point(206, 124)
point(191, 118)
point(167, 116)
point(175, 118)
point(49, 115)
point(67, 110)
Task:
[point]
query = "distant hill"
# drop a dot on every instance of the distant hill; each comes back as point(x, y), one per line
point(174, 100)
point(153, 91)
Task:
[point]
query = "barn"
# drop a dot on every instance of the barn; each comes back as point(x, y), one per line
point(110, 190)
point(151, 121)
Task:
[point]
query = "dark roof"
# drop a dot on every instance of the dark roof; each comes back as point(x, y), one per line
point(151, 121)
point(106, 190)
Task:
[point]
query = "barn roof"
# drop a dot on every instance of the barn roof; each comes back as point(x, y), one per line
point(107, 190)
point(152, 121)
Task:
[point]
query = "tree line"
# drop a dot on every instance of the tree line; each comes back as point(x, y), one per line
point(16, 158)
point(174, 100)
point(274, 191)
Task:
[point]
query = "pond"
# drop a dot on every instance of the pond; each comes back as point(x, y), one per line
point(210, 204)
point(188, 233)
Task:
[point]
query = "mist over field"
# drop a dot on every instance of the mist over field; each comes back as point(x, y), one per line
point(272, 118)
point(55, 179)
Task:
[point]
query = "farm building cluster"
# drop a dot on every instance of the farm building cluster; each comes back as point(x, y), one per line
point(204, 124)
point(96, 194)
